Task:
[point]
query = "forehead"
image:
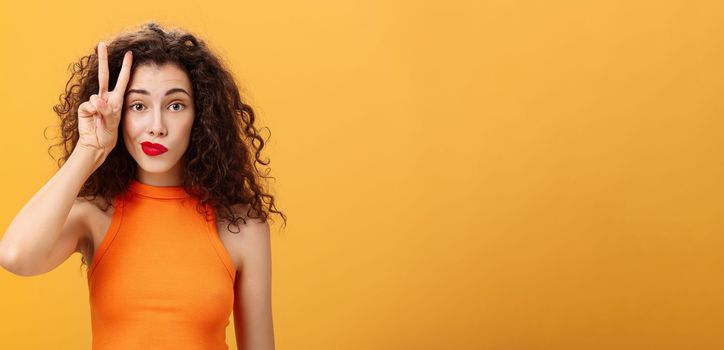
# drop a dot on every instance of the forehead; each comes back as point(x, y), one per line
point(155, 78)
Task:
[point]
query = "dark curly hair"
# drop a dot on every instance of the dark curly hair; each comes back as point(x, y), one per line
point(220, 164)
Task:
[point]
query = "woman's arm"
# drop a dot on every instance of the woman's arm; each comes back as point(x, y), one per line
point(253, 325)
point(46, 231)
point(41, 226)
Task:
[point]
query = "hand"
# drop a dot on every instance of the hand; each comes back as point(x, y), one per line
point(98, 118)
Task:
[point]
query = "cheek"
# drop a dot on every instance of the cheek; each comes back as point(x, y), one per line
point(186, 125)
point(129, 132)
point(129, 127)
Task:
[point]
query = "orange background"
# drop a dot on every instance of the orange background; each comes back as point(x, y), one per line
point(457, 174)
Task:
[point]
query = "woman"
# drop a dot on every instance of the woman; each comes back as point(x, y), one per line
point(153, 181)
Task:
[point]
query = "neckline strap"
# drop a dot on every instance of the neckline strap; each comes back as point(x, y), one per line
point(165, 192)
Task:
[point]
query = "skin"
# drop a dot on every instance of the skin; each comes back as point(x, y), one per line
point(55, 223)
point(153, 115)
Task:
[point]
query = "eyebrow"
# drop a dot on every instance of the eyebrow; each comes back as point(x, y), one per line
point(169, 92)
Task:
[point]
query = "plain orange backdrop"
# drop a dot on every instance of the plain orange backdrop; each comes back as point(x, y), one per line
point(457, 175)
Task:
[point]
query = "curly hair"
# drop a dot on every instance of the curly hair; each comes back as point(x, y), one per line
point(220, 164)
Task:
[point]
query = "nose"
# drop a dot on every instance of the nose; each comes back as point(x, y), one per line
point(158, 126)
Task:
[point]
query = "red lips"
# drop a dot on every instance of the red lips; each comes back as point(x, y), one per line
point(153, 149)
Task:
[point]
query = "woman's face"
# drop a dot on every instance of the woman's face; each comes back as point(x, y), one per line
point(158, 108)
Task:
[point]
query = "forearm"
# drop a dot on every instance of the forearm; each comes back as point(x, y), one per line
point(38, 224)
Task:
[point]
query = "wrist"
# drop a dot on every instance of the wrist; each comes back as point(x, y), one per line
point(92, 154)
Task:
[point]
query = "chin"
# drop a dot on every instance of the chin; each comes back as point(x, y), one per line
point(155, 164)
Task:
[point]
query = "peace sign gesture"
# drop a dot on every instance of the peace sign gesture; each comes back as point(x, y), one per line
point(98, 118)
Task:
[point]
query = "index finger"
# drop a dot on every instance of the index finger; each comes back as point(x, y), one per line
point(102, 69)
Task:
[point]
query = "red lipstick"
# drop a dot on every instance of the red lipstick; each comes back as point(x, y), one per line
point(153, 149)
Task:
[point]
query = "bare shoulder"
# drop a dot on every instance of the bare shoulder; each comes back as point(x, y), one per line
point(243, 240)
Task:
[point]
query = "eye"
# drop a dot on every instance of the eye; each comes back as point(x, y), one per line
point(179, 104)
point(133, 105)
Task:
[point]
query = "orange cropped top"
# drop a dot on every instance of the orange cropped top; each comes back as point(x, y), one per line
point(161, 278)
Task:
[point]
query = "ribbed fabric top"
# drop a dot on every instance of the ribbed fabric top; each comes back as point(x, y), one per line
point(161, 278)
point(159, 192)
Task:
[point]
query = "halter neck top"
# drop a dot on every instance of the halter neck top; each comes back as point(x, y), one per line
point(161, 278)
